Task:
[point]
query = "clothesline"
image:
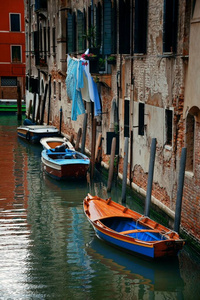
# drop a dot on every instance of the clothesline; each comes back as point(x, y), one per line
point(80, 86)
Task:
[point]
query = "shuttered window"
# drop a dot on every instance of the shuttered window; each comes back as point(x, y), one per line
point(71, 33)
point(140, 36)
point(80, 29)
point(124, 27)
point(114, 27)
point(170, 24)
point(107, 27)
point(97, 20)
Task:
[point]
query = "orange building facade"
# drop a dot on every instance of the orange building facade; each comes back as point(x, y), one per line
point(12, 48)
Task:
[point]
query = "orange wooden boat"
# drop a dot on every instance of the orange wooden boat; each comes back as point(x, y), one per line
point(129, 230)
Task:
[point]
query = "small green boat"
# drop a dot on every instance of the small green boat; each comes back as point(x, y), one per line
point(10, 106)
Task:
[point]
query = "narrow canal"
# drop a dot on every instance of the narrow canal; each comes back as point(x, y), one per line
point(48, 249)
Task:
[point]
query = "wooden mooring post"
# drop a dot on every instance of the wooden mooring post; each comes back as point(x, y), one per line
point(124, 182)
point(150, 177)
point(111, 165)
point(180, 190)
point(19, 102)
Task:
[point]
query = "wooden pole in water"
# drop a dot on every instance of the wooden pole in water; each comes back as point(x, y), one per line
point(34, 106)
point(38, 109)
point(84, 133)
point(150, 177)
point(93, 148)
point(98, 149)
point(29, 109)
point(78, 139)
point(49, 105)
point(111, 165)
point(19, 102)
point(43, 105)
point(131, 157)
point(180, 190)
point(124, 182)
point(60, 128)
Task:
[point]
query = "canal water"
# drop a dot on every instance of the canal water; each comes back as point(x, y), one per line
point(48, 249)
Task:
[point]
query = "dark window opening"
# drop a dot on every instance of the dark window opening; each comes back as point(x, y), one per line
point(14, 22)
point(170, 24)
point(54, 39)
point(168, 118)
point(124, 27)
point(141, 119)
point(49, 47)
point(140, 38)
point(16, 54)
point(59, 87)
point(126, 118)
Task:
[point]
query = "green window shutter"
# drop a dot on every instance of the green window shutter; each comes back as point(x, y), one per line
point(69, 33)
point(114, 27)
point(124, 27)
point(107, 27)
point(98, 16)
point(80, 29)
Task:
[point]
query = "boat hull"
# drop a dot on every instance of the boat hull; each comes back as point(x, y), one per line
point(65, 168)
point(129, 230)
point(161, 249)
point(34, 133)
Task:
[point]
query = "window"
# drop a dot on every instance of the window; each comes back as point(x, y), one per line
point(71, 32)
point(168, 120)
point(54, 39)
point(170, 24)
point(16, 54)
point(14, 22)
point(141, 119)
point(54, 89)
point(140, 38)
point(126, 118)
point(59, 90)
point(190, 128)
point(8, 81)
point(81, 30)
point(107, 27)
point(124, 27)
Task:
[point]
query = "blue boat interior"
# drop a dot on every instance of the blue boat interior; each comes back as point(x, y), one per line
point(63, 153)
point(120, 224)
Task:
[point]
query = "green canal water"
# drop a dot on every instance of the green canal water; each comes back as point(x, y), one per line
point(48, 249)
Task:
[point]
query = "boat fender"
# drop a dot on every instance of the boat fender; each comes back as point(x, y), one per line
point(28, 135)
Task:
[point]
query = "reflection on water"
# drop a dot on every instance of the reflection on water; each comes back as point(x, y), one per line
point(48, 249)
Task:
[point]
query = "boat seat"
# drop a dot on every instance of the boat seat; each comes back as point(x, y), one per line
point(139, 230)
